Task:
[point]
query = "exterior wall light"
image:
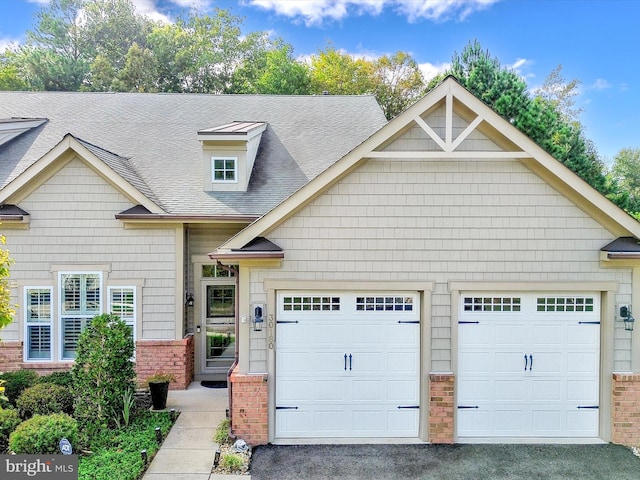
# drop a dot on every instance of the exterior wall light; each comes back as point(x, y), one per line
point(627, 318)
point(258, 317)
point(190, 301)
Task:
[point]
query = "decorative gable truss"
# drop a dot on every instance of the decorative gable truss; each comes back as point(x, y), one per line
point(448, 124)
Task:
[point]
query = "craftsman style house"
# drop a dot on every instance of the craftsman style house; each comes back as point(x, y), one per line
point(435, 278)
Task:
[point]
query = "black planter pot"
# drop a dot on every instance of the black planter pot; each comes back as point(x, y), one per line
point(159, 392)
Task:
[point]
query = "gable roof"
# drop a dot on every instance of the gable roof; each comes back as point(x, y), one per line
point(107, 164)
point(512, 143)
point(151, 140)
point(11, 128)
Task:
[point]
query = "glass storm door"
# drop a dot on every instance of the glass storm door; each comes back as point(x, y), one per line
point(219, 327)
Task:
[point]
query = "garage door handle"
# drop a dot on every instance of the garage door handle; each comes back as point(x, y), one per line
point(345, 362)
point(350, 360)
point(525, 362)
point(530, 362)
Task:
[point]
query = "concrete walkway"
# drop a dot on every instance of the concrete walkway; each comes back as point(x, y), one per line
point(187, 452)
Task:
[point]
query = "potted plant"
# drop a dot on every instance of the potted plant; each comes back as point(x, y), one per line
point(159, 389)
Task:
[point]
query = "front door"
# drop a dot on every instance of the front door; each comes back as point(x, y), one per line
point(218, 317)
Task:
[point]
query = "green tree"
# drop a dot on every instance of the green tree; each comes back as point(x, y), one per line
point(538, 117)
point(102, 373)
point(398, 82)
point(275, 72)
point(139, 72)
point(114, 27)
point(10, 77)
point(7, 310)
point(55, 55)
point(340, 74)
point(626, 173)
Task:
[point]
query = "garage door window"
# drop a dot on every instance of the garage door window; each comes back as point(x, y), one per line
point(311, 304)
point(491, 304)
point(564, 304)
point(384, 304)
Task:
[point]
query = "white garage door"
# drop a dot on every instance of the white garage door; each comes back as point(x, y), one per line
point(347, 365)
point(528, 365)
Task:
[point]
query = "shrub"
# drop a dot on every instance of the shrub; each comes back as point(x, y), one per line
point(9, 420)
point(43, 399)
point(16, 382)
point(64, 379)
point(221, 437)
point(102, 373)
point(42, 434)
point(232, 461)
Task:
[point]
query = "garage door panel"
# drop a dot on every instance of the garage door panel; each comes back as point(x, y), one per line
point(479, 335)
point(294, 362)
point(582, 392)
point(295, 391)
point(353, 396)
point(547, 390)
point(508, 362)
point(543, 399)
point(582, 362)
point(582, 422)
point(547, 363)
point(402, 392)
point(329, 390)
point(510, 391)
point(476, 362)
point(508, 421)
point(403, 363)
point(509, 335)
point(587, 335)
point(548, 336)
point(474, 391)
point(402, 422)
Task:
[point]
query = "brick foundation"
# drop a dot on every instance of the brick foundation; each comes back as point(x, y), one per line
point(11, 360)
point(249, 412)
point(168, 356)
point(625, 407)
point(441, 403)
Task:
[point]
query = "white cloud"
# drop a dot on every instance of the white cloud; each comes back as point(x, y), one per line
point(315, 12)
point(151, 10)
point(600, 84)
point(6, 42)
point(41, 2)
point(430, 70)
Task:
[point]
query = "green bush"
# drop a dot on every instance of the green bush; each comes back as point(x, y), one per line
point(9, 420)
point(232, 461)
point(43, 399)
point(64, 379)
point(116, 453)
point(221, 437)
point(42, 434)
point(16, 382)
point(103, 372)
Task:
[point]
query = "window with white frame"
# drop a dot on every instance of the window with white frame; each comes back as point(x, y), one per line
point(224, 169)
point(122, 302)
point(80, 301)
point(38, 323)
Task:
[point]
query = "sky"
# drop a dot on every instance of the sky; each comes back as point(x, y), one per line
point(596, 41)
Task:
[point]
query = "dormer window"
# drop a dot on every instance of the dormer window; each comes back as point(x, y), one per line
point(224, 169)
point(229, 152)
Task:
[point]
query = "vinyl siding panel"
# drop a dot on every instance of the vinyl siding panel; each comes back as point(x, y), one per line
point(442, 221)
point(73, 223)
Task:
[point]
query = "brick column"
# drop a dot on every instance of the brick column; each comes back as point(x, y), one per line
point(249, 409)
point(441, 403)
point(167, 356)
point(626, 409)
point(10, 356)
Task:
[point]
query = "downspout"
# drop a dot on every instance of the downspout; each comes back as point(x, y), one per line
point(236, 349)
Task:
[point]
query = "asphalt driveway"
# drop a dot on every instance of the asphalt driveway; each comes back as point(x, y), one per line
point(444, 462)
